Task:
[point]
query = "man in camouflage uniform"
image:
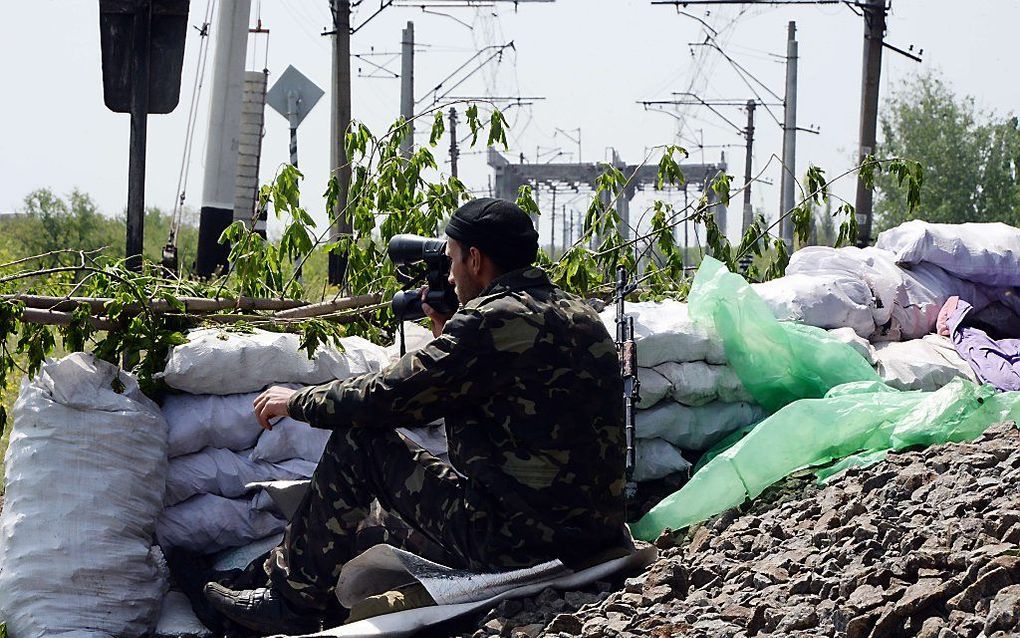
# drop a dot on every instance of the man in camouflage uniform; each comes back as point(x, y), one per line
point(528, 382)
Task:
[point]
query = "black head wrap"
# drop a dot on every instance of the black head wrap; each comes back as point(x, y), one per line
point(498, 228)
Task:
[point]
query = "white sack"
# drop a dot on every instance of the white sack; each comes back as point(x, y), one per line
point(654, 387)
point(215, 361)
point(922, 364)
point(987, 253)
point(226, 473)
point(824, 301)
point(663, 331)
point(208, 523)
point(290, 439)
point(201, 421)
point(695, 428)
point(655, 459)
point(862, 346)
point(698, 383)
point(177, 618)
point(85, 475)
point(875, 268)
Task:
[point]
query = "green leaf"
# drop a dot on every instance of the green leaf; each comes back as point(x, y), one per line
point(526, 200)
point(474, 123)
point(721, 188)
point(438, 128)
point(497, 129)
point(817, 189)
point(669, 170)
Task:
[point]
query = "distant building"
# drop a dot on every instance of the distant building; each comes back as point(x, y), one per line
point(7, 215)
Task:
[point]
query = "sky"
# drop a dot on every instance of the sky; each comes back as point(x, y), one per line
point(591, 62)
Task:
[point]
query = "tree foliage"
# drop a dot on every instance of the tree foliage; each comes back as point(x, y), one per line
point(970, 158)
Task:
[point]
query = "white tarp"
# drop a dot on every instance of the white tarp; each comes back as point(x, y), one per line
point(697, 428)
point(987, 253)
point(663, 331)
point(226, 473)
point(376, 571)
point(216, 361)
point(208, 523)
point(85, 474)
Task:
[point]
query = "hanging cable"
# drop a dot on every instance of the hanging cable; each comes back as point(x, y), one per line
point(170, 250)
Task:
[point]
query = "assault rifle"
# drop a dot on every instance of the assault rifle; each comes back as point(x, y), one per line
point(627, 351)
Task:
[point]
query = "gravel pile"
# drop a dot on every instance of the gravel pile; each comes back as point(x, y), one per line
point(924, 544)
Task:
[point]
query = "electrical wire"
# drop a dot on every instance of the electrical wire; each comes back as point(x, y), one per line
point(189, 135)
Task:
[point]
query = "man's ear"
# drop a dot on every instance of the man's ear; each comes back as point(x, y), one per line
point(475, 260)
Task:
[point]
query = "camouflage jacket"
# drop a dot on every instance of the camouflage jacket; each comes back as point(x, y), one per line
point(528, 382)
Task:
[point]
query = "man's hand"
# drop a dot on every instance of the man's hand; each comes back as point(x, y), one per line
point(271, 404)
point(438, 320)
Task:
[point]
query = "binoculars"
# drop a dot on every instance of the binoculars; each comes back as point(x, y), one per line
point(405, 250)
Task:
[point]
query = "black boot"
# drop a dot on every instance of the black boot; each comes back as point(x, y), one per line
point(263, 611)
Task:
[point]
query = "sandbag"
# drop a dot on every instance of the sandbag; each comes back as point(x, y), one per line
point(208, 523)
point(663, 331)
point(697, 383)
point(85, 475)
point(290, 439)
point(656, 459)
point(654, 387)
point(862, 346)
point(875, 268)
point(226, 473)
point(697, 428)
point(202, 421)
point(986, 253)
point(821, 300)
point(921, 364)
point(215, 361)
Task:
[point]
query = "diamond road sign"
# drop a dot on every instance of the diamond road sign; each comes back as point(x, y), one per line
point(293, 81)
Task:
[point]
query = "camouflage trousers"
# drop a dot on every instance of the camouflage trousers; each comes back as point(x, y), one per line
point(424, 504)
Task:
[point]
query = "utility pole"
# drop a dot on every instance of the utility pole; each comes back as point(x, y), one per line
point(225, 107)
point(552, 225)
point(874, 32)
point(454, 153)
point(749, 138)
point(407, 87)
point(789, 175)
point(340, 120)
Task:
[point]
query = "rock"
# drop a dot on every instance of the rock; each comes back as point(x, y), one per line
point(860, 626)
point(931, 627)
point(1004, 614)
point(866, 597)
point(796, 618)
point(925, 592)
point(737, 614)
point(565, 624)
point(527, 631)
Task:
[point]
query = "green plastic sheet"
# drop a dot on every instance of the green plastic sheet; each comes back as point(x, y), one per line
point(777, 362)
point(860, 416)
